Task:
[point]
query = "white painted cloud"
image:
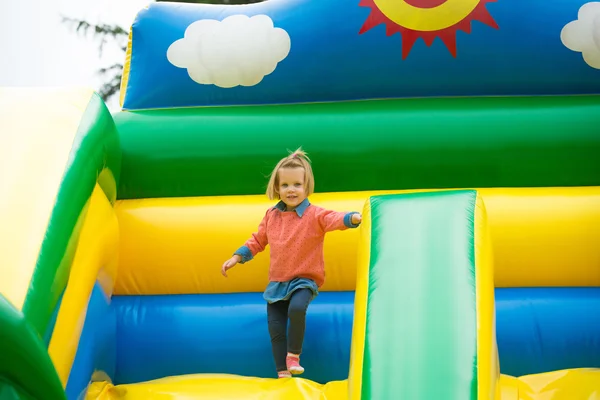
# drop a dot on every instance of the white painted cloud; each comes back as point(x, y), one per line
point(583, 35)
point(239, 50)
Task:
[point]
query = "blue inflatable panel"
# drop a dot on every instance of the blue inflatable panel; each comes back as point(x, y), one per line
point(97, 345)
point(334, 53)
point(547, 329)
point(538, 330)
point(168, 335)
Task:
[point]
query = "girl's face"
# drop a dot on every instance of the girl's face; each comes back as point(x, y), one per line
point(291, 186)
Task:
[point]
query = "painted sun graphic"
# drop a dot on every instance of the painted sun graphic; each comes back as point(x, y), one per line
point(426, 19)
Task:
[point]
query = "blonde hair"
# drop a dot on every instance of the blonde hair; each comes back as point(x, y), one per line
point(296, 159)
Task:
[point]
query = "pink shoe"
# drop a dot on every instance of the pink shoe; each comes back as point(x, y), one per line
point(293, 364)
point(284, 374)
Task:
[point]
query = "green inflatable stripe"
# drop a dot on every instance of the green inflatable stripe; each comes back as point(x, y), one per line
point(421, 328)
point(364, 145)
point(95, 150)
point(25, 366)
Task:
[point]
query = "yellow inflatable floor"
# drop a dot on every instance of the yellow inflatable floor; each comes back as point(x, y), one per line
point(572, 384)
point(220, 387)
point(575, 384)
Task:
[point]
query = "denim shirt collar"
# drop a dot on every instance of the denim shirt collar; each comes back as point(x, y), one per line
point(300, 209)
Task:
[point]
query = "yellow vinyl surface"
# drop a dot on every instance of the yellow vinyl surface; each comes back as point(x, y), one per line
point(178, 245)
point(359, 325)
point(571, 384)
point(540, 236)
point(580, 384)
point(37, 132)
point(509, 387)
point(126, 70)
point(95, 260)
point(545, 236)
point(488, 368)
point(574, 384)
point(220, 387)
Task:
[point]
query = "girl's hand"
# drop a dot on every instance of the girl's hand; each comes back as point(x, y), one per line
point(230, 264)
point(356, 219)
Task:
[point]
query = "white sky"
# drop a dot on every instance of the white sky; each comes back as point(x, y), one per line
point(37, 49)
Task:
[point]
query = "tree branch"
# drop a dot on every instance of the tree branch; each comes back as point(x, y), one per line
point(113, 33)
point(100, 31)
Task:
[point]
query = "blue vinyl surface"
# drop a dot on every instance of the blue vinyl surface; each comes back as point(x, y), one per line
point(160, 336)
point(330, 60)
point(97, 345)
point(547, 329)
point(538, 330)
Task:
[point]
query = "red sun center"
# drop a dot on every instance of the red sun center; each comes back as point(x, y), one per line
point(425, 3)
point(409, 36)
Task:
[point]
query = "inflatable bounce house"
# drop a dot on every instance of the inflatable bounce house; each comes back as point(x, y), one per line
point(467, 132)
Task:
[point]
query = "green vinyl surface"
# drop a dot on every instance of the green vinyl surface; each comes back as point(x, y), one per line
point(364, 145)
point(25, 367)
point(421, 327)
point(95, 157)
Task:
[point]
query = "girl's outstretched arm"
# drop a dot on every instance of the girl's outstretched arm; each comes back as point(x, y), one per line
point(257, 242)
point(336, 220)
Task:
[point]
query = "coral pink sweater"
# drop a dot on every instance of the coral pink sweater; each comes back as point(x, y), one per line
point(296, 240)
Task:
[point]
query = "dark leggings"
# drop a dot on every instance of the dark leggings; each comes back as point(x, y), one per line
point(277, 315)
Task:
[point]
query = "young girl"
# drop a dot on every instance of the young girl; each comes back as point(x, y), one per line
point(295, 229)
